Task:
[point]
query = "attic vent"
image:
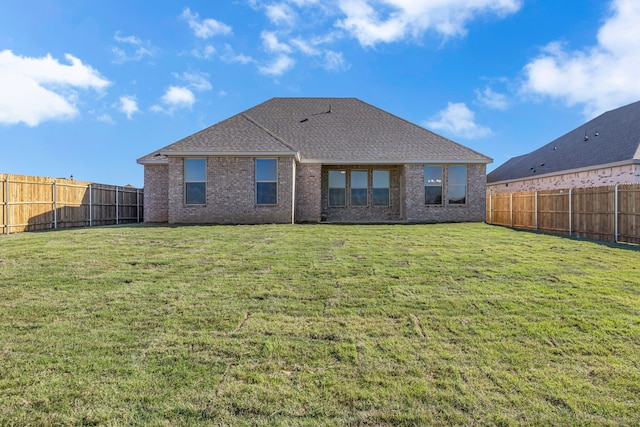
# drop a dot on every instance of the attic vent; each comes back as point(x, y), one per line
point(586, 137)
point(306, 119)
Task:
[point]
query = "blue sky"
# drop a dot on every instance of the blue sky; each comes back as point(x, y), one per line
point(88, 86)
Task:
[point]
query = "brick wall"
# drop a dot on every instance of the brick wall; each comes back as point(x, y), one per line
point(416, 210)
point(231, 193)
point(156, 191)
point(308, 192)
point(628, 174)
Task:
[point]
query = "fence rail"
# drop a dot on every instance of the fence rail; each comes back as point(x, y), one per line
point(30, 203)
point(601, 213)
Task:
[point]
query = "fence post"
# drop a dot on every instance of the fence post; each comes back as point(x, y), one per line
point(90, 206)
point(511, 209)
point(570, 211)
point(55, 205)
point(6, 204)
point(615, 215)
point(117, 207)
point(138, 204)
point(535, 207)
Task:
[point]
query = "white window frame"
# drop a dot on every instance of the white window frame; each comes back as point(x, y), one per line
point(441, 185)
point(465, 185)
point(266, 181)
point(343, 188)
point(373, 187)
point(365, 188)
point(187, 182)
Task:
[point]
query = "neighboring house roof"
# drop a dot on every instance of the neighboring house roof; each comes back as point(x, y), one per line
point(322, 130)
point(609, 139)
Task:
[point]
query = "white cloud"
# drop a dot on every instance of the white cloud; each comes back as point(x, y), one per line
point(491, 99)
point(384, 21)
point(204, 28)
point(128, 106)
point(105, 118)
point(334, 61)
point(281, 14)
point(39, 89)
point(305, 47)
point(278, 67)
point(600, 77)
point(196, 81)
point(205, 52)
point(458, 121)
point(230, 56)
point(272, 44)
point(175, 97)
point(140, 49)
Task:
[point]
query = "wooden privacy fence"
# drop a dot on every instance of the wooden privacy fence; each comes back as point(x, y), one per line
point(36, 203)
point(600, 213)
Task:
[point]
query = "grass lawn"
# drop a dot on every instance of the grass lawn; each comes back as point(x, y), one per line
point(448, 324)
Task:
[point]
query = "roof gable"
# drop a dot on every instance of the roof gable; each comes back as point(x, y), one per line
point(327, 130)
point(612, 137)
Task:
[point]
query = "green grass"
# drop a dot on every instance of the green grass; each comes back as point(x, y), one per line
point(451, 324)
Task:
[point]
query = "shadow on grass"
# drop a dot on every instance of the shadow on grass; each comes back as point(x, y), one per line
point(609, 244)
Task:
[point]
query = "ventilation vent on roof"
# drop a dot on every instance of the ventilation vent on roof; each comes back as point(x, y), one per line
point(586, 137)
point(306, 119)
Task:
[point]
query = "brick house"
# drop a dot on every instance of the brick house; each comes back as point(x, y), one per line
point(311, 160)
point(603, 151)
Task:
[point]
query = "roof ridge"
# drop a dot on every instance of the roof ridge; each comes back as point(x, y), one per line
point(272, 134)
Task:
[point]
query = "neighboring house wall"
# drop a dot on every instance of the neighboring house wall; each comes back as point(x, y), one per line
point(417, 211)
point(231, 193)
point(156, 200)
point(361, 213)
point(308, 192)
point(590, 178)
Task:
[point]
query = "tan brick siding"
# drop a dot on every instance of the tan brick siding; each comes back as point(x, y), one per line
point(156, 193)
point(417, 211)
point(231, 193)
point(628, 174)
point(308, 192)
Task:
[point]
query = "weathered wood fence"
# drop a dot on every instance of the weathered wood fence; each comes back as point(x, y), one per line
point(36, 203)
point(610, 213)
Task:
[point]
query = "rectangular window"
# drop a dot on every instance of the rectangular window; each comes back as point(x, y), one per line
point(195, 181)
point(359, 187)
point(380, 188)
point(337, 188)
point(433, 185)
point(457, 185)
point(267, 181)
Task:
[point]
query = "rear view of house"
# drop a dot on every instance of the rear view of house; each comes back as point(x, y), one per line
point(311, 160)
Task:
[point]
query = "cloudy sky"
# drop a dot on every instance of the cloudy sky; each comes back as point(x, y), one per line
point(88, 86)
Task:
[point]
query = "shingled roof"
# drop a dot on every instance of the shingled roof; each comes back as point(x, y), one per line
point(321, 130)
point(609, 139)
